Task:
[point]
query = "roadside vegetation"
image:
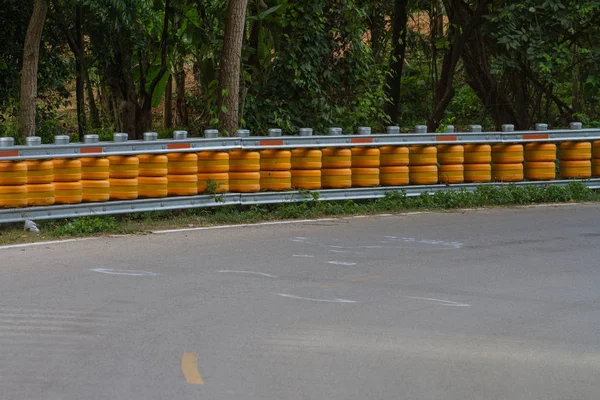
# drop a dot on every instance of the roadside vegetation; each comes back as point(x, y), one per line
point(484, 196)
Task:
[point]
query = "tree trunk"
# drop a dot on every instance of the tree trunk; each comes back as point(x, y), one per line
point(181, 111)
point(29, 72)
point(229, 79)
point(94, 115)
point(397, 59)
point(168, 106)
point(459, 36)
point(80, 80)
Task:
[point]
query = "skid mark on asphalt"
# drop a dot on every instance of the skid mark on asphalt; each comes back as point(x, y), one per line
point(189, 368)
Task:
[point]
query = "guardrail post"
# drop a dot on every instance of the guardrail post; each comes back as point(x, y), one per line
point(450, 129)
point(34, 141)
point(242, 133)
point(120, 137)
point(334, 131)
point(392, 130)
point(211, 133)
point(180, 135)
point(475, 128)
point(574, 126)
point(7, 142)
point(541, 127)
point(150, 136)
point(61, 139)
point(508, 128)
point(274, 132)
point(305, 131)
point(421, 129)
point(364, 130)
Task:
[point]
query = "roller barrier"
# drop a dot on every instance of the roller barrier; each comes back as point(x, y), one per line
point(63, 179)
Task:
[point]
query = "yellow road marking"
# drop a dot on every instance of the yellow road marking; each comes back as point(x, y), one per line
point(189, 367)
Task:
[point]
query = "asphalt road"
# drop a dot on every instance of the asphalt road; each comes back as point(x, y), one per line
point(496, 304)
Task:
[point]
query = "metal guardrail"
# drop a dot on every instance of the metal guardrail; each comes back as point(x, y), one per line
point(187, 202)
point(93, 148)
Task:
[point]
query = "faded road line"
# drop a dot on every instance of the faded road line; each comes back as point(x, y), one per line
point(319, 300)
point(248, 272)
point(189, 367)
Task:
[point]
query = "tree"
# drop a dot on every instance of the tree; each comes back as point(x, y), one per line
point(400, 21)
point(29, 72)
point(231, 59)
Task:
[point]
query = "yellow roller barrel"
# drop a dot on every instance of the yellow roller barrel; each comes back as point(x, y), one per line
point(123, 167)
point(67, 170)
point(422, 156)
point(394, 176)
point(244, 182)
point(153, 187)
point(220, 179)
point(13, 196)
point(507, 172)
point(275, 160)
point(336, 178)
point(213, 161)
point(365, 177)
point(183, 185)
point(575, 151)
point(39, 171)
point(366, 157)
point(68, 192)
point(575, 169)
point(334, 157)
point(596, 168)
point(423, 174)
point(306, 179)
point(95, 190)
point(596, 149)
point(453, 173)
point(540, 152)
point(507, 153)
point(477, 153)
point(244, 161)
point(275, 180)
point(478, 173)
point(540, 170)
point(123, 189)
point(40, 194)
point(450, 154)
point(393, 156)
point(94, 168)
point(182, 163)
point(153, 165)
point(306, 159)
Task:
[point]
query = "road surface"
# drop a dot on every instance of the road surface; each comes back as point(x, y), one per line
point(487, 304)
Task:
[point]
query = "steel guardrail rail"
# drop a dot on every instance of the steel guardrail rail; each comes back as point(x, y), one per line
point(10, 152)
point(186, 202)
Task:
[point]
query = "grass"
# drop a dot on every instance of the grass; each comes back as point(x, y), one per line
point(483, 196)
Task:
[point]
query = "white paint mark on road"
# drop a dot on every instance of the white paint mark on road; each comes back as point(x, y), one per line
point(303, 255)
point(440, 302)
point(17, 246)
point(248, 272)
point(341, 263)
point(124, 272)
point(339, 251)
point(456, 245)
point(319, 300)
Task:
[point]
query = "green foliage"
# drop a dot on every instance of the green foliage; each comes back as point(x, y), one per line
point(88, 226)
